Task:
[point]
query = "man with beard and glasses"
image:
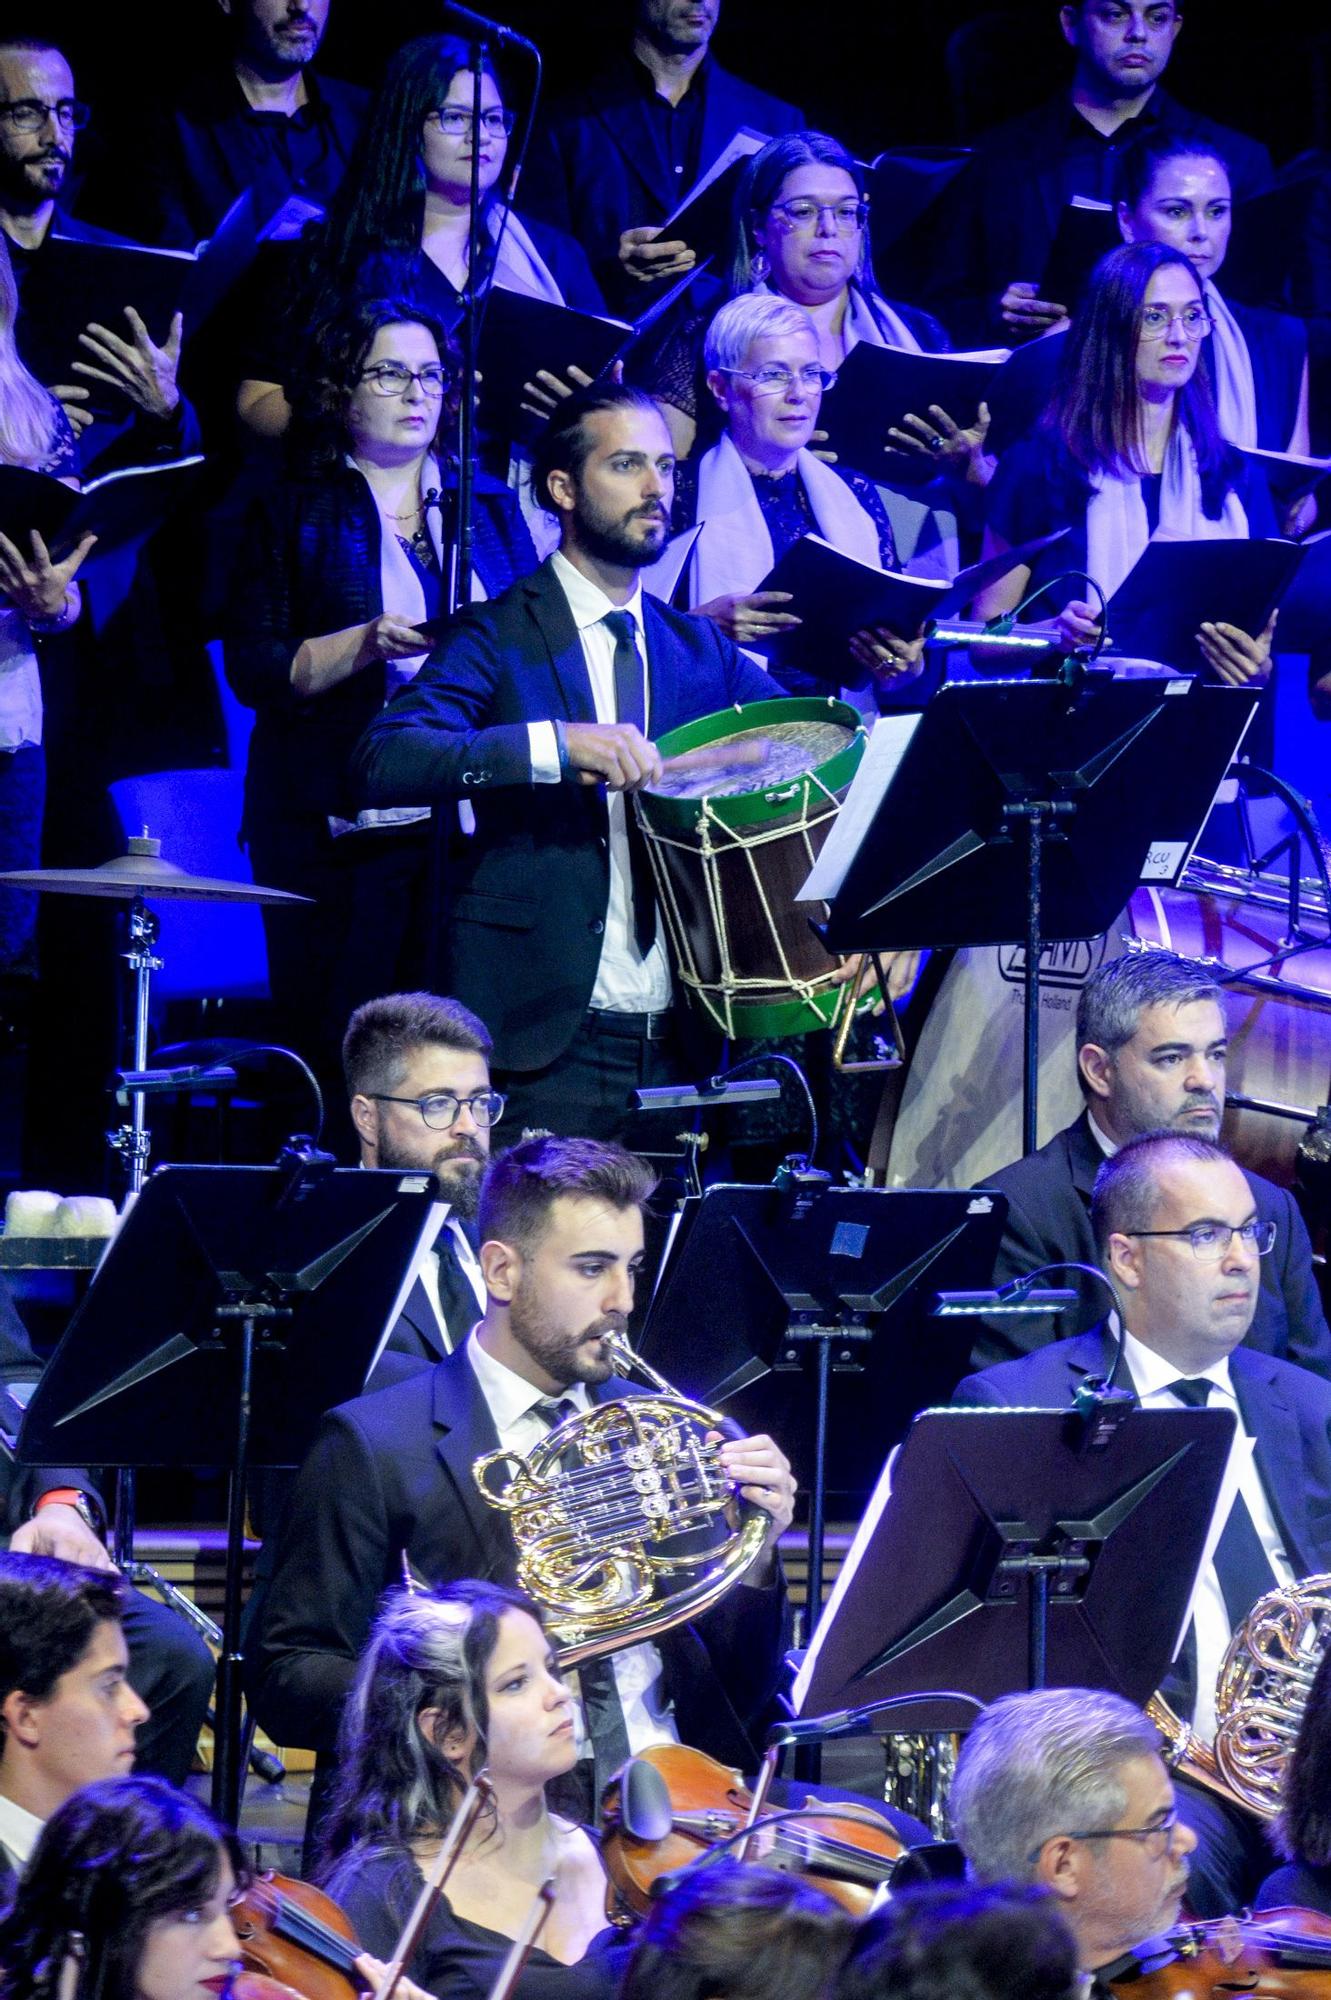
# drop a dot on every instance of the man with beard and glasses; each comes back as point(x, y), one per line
point(262, 120)
point(1151, 1048)
point(418, 1080)
point(389, 1482)
point(540, 709)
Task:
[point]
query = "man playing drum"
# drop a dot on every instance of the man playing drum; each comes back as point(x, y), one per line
point(541, 708)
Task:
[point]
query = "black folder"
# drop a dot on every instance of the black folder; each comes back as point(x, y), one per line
point(1086, 232)
point(876, 387)
point(117, 508)
point(69, 284)
point(1305, 609)
point(1288, 473)
point(705, 218)
point(835, 596)
point(1174, 587)
point(521, 335)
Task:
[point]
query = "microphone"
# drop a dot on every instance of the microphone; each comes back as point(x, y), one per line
point(485, 30)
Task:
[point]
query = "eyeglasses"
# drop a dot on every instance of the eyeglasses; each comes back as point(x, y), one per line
point(29, 114)
point(1160, 1830)
point(455, 121)
point(1157, 320)
point(1210, 1240)
point(804, 214)
point(393, 378)
point(777, 381)
point(441, 1107)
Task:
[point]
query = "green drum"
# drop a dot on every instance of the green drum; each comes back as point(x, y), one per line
point(733, 827)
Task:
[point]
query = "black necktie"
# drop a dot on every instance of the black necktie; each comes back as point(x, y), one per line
point(601, 1706)
point(1241, 1563)
point(457, 1300)
point(631, 706)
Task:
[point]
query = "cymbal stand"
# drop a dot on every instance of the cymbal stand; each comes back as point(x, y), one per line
point(133, 1142)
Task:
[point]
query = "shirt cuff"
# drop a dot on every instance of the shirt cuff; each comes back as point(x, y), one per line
point(543, 747)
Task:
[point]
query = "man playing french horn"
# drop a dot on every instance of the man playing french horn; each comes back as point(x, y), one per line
point(1177, 1230)
point(391, 1484)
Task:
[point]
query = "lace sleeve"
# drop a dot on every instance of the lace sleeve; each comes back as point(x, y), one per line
point(62, 460)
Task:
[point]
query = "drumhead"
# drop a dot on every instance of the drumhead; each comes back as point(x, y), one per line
point(788, 750)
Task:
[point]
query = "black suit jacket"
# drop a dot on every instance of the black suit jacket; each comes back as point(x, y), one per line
point(1049, 1216)
point(1286, 1411)
point(391, 1474)
point(595, 171)
point(531, 889)
point(21, 1486)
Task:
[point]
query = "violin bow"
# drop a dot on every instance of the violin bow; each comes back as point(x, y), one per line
point(525, 1942)
point(477, 1795)
point(758, 1800)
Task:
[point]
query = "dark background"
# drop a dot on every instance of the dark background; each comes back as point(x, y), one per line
point(903, 72)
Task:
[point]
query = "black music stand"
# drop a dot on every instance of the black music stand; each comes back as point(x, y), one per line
point(234, 1307)
point(1011, 1549)
point(757, 1274)
point(1025, 810)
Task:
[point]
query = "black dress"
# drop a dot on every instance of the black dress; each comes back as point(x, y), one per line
point(457, 1959)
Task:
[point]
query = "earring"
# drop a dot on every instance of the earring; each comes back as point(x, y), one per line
point(758, 269)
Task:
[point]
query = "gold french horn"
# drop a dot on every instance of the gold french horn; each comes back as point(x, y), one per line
point(625, 1523)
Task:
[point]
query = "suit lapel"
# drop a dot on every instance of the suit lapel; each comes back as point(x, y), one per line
point(420, 1316)
point(554, 620)
point(1272, 1420)
point(626, 120)
point(1085, 1157)
point(465, 1432)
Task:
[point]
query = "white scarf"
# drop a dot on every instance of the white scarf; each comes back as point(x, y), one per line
point(519, 266)
point(876, 325)
point(1235, 389)
point(734, 551)
point(1116, 524)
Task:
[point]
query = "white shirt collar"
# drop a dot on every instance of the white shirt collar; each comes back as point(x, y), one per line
point(1151, 1373)
point(1102, 1139)
point(510, 1396)
point(19, 1832)
point(586, 600)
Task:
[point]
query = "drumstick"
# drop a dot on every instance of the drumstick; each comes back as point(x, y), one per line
point(718, 756)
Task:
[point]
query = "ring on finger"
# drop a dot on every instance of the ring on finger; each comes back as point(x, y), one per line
point(937, 441)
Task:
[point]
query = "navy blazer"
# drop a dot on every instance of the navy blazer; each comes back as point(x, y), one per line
point(1049, 1216)
point(531, 889)
point(391, 1474)
point(595, 171)
point(1285, 1410)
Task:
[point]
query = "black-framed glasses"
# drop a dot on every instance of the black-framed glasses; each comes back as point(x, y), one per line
point(440, 1108)
point(803, 213)
point(455, 121)
point(1160, 1829)
point(774, 380)
point(1210, 1240)
point(393, 378)
point(29, 114)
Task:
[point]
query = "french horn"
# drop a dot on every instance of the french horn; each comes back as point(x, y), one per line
point(625, 1522)
point(1261, 1694)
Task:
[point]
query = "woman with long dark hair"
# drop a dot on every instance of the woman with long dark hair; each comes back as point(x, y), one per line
point(400, 220)
point(1301, 1834)
point(1128, 448)
point(341, 576)
point(130, 1885)
point(451, 1682)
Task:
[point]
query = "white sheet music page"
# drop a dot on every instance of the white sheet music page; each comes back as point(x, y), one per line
point(886, 748)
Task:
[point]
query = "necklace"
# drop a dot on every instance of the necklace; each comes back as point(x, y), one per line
point(411, 514)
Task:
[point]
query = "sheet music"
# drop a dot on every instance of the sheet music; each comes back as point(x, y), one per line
point(888, 741)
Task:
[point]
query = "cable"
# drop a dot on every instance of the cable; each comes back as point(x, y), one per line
point(1009, 618)
point(751, 1062)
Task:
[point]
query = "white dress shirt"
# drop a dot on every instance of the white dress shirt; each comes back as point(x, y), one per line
point(648, 1716)
point(19, 1831)
point(626, 982)
point(1151, 1374)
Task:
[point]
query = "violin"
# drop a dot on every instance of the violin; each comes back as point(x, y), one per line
point(294, 1936)
point(1282, 1954)
point(845, 1850)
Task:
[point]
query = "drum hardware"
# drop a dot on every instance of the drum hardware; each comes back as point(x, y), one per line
point(729, 855)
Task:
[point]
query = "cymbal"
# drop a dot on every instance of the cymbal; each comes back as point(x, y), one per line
point(143, 872)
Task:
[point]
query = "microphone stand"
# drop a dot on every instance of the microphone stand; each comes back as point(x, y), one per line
point(482, 253)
